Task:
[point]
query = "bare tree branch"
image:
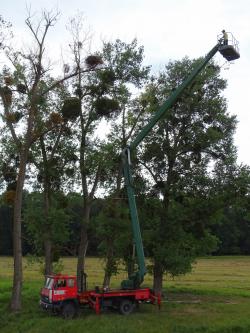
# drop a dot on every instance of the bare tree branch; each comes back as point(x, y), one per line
point(150, 171)
point(57, 142)
point(69, 76)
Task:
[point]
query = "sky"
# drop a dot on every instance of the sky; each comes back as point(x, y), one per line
point(168, 30)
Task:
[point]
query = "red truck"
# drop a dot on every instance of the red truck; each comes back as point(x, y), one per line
point(60, 295)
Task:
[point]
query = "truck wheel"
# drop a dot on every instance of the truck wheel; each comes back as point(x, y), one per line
point(69, 311)
point(126, 307)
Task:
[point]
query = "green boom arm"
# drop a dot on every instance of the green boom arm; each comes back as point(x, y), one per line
point(134, 281)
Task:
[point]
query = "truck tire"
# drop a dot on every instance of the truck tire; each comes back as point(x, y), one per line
point(126, 307)
point(69, 310)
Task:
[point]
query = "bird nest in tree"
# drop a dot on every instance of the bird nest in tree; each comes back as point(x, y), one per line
point(14, 117)
point(55, 118)
point(93, 60)
point(71, 108)
point(8, 80)
point(9, 197)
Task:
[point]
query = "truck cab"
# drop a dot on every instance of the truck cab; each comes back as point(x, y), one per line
point(59, 294)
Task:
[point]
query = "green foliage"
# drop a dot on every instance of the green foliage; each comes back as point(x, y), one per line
point(125, 61)
point(112, 228)
point(32, 260)
point(176, 153)
point(38, 226)
point(58, 266)
point(176, 242)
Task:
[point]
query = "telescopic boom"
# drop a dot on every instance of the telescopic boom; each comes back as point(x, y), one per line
point(230, 52)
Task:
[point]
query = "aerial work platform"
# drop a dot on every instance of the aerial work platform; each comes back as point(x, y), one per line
point(229, 49)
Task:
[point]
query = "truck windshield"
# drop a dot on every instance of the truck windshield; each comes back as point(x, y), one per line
point(49, 283)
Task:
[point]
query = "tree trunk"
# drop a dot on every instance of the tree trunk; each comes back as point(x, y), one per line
point(82, 247)
point(158, 278)
point(106, 279)
point(17, 219)
point(47, 234)
point(48, 255)
point(158, 269)
point(110, 250)
point(109, 264)
point(17, 234)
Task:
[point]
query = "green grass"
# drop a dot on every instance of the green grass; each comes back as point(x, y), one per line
point(215, 297)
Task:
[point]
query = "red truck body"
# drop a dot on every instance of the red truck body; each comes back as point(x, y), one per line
point(60, 295)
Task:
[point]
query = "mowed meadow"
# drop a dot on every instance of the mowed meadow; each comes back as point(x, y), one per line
point(215, 297)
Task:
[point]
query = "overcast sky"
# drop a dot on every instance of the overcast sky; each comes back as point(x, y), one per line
point(168, 29)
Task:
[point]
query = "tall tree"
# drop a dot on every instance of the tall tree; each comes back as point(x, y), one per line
point(102, 95)
point(125, 65)
point(176, 155)
point(30, 87)
point(22, 92)
point(54, 159)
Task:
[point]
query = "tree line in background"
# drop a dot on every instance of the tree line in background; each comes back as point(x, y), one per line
point(230, 228)
point(62, 136)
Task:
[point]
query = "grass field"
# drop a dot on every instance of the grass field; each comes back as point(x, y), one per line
point(215, 297)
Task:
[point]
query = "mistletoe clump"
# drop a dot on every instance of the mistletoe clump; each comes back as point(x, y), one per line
point(71, 108)
point(105, 106)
